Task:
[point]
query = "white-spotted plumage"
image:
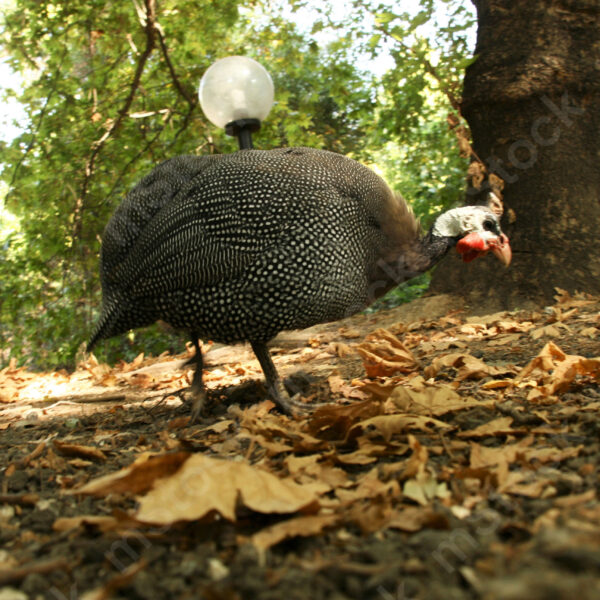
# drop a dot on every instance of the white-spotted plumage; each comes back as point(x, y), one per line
point(242, 246)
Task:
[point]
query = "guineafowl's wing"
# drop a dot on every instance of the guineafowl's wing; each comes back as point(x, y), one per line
point(210, 231)
point(296, 226)
point(134, 215)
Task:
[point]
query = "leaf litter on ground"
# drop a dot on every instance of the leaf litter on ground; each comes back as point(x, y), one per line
point(446, 414)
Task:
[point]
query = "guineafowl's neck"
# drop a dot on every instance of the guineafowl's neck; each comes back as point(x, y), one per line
point(402, 264)
point(435, 247)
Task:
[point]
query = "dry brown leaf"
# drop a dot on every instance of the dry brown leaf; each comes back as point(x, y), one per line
point(306, 468)
point(575, 499)
point(487, 320)
point(505, 339)
point(340, 349)
point(204, 485)
point(424, 488)
point(80, 463)
point(473, 329)
point(369, 486)
point(387, 426)
point(500, 426)
point(279, 429)
point(429, 347)
point(521, 484)
point(504, 326)
point(468, 367)
point(496, 384)
point(483, 456)
point(544, 361)
point(417, 461)
point(371, 514)
point(349, 333)
point(497, 184)
point(79, 451)
point(100, 522)
point(414, 518)
point(498, 459)
point(333, 421)
point(548, 330)
point(134, 364)
point(551, 454)
point(379, 391)
point(367, 453)
point(220, 426)
point(9, 392)
point(297, 465)
point(567, 301)
point(452, 120)
point(273, 447)
point(384, 355)
point(337, 385)
point(432, 400)
point(475, 171)
point(553, 371)
point(137, 478)
point(303, 526)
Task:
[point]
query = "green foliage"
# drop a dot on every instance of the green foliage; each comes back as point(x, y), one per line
point(401, 294)
point(414, 145)
point(109, 95)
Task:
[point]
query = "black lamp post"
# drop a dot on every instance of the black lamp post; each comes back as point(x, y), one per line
point(237, 93)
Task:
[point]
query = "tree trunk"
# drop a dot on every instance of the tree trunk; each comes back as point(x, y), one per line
point(532, 100)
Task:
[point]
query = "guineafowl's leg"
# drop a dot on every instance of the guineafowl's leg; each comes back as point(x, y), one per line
point(275, 386)
point(197, 390)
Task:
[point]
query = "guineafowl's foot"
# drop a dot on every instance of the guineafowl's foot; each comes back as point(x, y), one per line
point(197, 391)
point(275, 386)
point(280, 396)
point(198, 399)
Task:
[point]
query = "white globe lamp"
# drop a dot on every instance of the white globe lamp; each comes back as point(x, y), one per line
point(237, 93)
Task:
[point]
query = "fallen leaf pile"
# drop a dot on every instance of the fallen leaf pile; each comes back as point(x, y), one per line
point(446, 415)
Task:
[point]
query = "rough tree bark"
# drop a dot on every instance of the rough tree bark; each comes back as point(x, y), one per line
point(532, 100)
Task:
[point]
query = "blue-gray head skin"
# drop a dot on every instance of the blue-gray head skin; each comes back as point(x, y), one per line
point(239, 247)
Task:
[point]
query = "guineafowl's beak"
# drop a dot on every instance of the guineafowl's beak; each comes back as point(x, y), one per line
point(501, 250)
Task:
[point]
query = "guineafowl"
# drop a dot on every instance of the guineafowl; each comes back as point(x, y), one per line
point(239, 247)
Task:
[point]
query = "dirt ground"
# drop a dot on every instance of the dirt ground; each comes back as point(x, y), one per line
point(434, 455)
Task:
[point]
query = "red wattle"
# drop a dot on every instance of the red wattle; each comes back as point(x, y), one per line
point(472, 241)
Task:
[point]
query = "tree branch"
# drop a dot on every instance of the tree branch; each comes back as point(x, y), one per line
point(191, 100)
point(134, 159)
point(150, 29)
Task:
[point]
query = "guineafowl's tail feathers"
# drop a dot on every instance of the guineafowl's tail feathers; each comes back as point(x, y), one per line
point(120, 314)
point(398, 221)
point(403, 218)
point(106, 326)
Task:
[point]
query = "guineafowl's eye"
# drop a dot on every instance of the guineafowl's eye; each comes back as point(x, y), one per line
point(489, 225)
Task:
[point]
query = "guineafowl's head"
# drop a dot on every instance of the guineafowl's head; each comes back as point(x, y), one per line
point(476, 230)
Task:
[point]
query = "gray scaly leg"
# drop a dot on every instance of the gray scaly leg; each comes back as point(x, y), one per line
point(275, 386)
point(197, 389)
